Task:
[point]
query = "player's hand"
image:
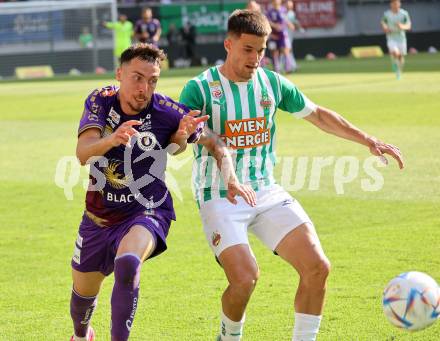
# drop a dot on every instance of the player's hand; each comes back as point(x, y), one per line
point(188, 125)
point(246, 192)
point(380, 148)
point(123, 134)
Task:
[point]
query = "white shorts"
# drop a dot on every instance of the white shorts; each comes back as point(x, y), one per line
point(397, 46)
point(275, 215)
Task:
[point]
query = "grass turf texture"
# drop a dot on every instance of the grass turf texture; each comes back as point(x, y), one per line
point(369, 236)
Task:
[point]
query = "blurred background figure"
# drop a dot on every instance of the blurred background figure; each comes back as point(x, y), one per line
point(253, 6)
point(395, 22)
point(148, 29)
point(296, 26)
point(279, 44)
point(123, 33)
point(85, 38)
point(174, 44)
point(188, 34)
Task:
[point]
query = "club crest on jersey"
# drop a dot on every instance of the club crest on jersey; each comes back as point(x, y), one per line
point(146, 141)
point(266, 102)
point(216, 237)
point(216, 89)
point(114, 116)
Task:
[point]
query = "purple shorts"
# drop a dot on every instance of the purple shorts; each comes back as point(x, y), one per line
point(96, 247)
point(279, 43)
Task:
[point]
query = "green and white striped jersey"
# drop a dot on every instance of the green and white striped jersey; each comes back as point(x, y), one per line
point(243, 114)
point(392, 20)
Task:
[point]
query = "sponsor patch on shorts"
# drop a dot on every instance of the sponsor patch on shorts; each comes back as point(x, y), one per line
point(79, 241)
point(77, 255)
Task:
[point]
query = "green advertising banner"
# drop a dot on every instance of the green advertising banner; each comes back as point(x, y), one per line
point(207, 18)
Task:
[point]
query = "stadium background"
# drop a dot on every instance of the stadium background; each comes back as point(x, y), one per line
point(35, 37)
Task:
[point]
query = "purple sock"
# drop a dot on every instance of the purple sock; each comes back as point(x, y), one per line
point(81, 310)
point(125, 295)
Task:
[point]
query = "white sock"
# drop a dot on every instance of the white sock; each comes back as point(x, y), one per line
point(306, 327)
point(231, 330)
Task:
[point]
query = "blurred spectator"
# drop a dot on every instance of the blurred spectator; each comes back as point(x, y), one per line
point(85, 38)
point(172, 35)
point(148, 29)
point(123, 33)
point(174, 44)
point(188, 34)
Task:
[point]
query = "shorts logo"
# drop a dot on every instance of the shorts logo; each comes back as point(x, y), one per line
point(146, 141)
point(77, 255)
point(79, 241)
point(287, 202)
point(216, 237)
point(216, 89)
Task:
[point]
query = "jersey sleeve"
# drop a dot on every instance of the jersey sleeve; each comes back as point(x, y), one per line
point(406, 18)
point(293, 100)
point(384, 18)
point(94, 113)
point(192, 97)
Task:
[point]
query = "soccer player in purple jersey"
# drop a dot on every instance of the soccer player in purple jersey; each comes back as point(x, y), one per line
point(125, 134)
point(279, 39)
point(148, 29)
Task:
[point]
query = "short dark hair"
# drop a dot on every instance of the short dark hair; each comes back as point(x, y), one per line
point(248, 22)
point(143, 51)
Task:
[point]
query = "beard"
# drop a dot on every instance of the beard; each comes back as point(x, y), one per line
point(138, 106)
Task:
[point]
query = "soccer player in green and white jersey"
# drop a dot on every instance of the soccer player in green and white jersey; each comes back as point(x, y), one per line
point(395, 22)
point(242, 99)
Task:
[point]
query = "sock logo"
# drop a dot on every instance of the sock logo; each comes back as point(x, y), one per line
point(129, 322)
point(88, 315)
point(223, 329)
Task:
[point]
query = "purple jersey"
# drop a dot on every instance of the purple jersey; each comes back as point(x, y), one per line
point(150, 27)
point(130, 180)
point(279, 17)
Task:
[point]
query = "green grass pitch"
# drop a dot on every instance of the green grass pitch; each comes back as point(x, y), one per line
point(369, 236)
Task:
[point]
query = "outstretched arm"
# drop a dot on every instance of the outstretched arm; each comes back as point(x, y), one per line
point(333, 123)
point(90, 143)
point(217, 148)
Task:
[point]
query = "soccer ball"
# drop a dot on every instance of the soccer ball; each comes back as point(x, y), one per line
point(412, 301)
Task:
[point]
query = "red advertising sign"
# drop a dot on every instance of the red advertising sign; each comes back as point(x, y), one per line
point(316, 13)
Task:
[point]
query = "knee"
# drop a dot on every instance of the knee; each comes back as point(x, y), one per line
point(317, 273)
point(246, 281)
point(127, 270)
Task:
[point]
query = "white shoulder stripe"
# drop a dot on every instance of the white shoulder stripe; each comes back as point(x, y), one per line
point(199, 83)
